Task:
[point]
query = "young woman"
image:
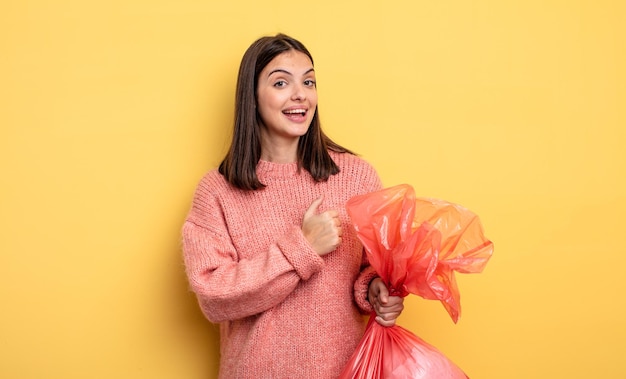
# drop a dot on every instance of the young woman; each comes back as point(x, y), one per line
point(267, 243)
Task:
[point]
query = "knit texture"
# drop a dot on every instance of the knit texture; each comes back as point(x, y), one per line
point(284, 311)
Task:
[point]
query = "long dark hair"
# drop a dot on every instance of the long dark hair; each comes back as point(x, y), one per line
point(239, 165)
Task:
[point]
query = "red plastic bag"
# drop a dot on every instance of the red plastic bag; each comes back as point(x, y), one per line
point(415, 245)
point(396, 353)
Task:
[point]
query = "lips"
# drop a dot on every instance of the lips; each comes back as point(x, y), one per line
point(295, 114)
point(294, 111)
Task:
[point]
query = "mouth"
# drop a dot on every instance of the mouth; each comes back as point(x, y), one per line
point(296, 114)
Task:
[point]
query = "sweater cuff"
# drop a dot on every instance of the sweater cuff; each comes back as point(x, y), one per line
point(361, 289)
point(299, 253)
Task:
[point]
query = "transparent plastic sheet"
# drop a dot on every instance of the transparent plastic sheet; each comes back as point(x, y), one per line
point(415, 245)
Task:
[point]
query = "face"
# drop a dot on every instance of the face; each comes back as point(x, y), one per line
point(286, 97)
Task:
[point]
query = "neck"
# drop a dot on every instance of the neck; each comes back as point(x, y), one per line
point(278, 156)
point(279, 151)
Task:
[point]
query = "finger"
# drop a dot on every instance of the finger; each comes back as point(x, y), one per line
point(396, 309)
point(389, 310)
point(384, 322)
point(313, 207)
point(389, 313)
point(332, 214)
point(395, 301)
point(383, 293)
point(374, 290)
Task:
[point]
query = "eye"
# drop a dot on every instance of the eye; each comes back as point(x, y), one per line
point(310, 83)
point(280, 84)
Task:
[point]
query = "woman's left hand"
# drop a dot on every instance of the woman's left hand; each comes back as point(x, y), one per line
point(387, 308)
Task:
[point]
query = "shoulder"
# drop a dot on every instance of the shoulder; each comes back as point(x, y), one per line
point(212, 186)
point(212, 183)
point(214, 179)
point(357, 170)
point(352, 163)
point(211, 193)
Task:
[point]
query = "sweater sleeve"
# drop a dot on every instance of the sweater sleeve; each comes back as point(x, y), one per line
point(371, 182)
point(229, 288)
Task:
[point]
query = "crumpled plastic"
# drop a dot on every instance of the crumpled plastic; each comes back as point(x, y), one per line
point(415, 245)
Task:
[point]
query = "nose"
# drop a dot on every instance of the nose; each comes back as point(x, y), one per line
point(298, 93)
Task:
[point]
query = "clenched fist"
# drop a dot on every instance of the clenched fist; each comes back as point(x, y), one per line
point(322, 230)
point(387, 307)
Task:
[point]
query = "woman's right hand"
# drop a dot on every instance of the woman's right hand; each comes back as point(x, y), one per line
point(322, 230)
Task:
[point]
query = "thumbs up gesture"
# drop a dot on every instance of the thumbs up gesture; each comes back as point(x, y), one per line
point(322, 230)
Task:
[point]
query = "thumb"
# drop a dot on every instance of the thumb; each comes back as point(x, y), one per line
point(383, 295)
point(313, 207)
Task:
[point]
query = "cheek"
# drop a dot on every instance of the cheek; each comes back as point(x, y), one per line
point(269, 113)
point(270, 101)
point(313, 98)
point(313, 108)
point(264, 107)
point(264, 114)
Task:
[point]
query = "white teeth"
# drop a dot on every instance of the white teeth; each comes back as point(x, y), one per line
point(295, 111)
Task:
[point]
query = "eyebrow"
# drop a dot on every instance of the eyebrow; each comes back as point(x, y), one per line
point(287, 72)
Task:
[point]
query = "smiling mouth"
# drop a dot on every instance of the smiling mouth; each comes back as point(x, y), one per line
point(298, 112)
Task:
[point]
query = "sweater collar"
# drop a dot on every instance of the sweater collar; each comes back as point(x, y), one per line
point(270, 170)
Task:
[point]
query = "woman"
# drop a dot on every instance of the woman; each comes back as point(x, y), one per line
point(267, 243)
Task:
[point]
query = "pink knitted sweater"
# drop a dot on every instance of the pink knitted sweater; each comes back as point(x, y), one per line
point(284, 311)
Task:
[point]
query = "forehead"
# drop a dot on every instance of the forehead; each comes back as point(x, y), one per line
point(292, 61)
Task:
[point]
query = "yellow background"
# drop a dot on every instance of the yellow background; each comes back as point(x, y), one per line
point(111, 111)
